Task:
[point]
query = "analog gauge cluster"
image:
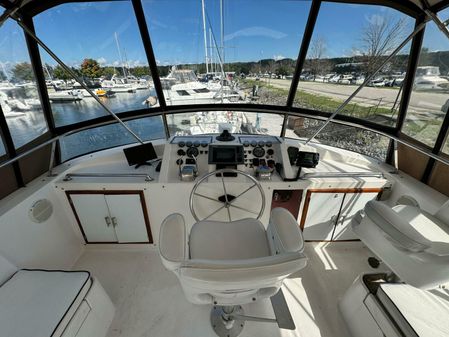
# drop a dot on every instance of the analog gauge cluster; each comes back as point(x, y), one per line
point(190, 149)
point(258, 152)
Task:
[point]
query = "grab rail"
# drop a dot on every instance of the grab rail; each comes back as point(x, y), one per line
point(343, 175)
point(70, 176)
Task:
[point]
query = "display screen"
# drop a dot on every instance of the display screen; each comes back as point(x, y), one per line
point(307, 159)
point(140, 154)
point(226, 154)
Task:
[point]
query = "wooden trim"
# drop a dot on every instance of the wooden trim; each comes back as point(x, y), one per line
point(68, 193)
point(112, 192)
point(330, 190)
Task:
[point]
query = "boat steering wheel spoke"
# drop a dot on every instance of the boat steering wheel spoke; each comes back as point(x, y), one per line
point(227, 200)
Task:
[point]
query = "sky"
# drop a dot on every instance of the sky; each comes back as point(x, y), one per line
point(253, 30)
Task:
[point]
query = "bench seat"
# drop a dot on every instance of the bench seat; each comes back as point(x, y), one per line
point(35, 303)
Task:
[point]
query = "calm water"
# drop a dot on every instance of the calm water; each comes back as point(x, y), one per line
point(32, 124)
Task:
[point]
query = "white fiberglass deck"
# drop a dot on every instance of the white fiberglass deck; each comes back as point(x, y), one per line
point(150, 302)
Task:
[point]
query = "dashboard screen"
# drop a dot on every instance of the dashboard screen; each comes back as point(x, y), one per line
point(226, 154)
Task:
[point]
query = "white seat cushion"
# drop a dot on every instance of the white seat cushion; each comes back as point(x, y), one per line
point(426, 313)
point(34, 302)
point(428, 226)
point(237, 240)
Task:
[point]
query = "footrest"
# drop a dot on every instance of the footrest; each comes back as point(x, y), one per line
point(282, 312)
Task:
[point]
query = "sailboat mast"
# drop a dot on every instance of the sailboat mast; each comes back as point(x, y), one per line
point(205, 35)
point(120, 54)
point(222, 31)
point(211, 51)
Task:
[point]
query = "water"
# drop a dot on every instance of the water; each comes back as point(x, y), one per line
point(88, 108)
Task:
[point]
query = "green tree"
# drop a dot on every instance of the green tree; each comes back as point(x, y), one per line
point(23, 72)
point(2, 76)
point(91, 68)
point(108, 71)
point(61, 74)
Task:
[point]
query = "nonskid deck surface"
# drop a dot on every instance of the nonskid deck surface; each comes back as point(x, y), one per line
point(149, 300)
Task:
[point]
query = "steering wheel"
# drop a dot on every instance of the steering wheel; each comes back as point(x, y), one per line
point(226, 201)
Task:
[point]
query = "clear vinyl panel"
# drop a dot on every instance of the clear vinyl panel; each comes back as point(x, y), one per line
point(348, 44)
point(241, 52)
point(237, 122)
point(19, 98)
point(101, 42)
point(107, 136)
point(2, 149)
point(429, 101)
point(345, 137)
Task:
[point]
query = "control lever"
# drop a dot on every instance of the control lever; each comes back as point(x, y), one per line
point(179, 162)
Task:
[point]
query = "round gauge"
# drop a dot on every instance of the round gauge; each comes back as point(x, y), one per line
point(270, 152)
point(253, 143)
point(192, 152)
point(268, 144)
point(181, 144)
point(245, 143)
point(181, 152)
point(196, 143)
point(258, 152)
point(189, 144)
point(203, 144)
point(261, 143)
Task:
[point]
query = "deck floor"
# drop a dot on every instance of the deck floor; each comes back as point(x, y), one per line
point(149, 300)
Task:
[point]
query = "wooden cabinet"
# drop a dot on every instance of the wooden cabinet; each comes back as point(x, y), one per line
point(288, 199)
point(111, 216)
point(327, 214)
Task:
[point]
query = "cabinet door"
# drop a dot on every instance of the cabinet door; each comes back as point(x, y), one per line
point(92, 212)
point(322, 215)
point(129, 221)
point(352, 203)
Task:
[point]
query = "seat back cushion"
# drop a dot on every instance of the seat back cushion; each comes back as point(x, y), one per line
point(236, 240)
point(396, 230)
point(7, 269)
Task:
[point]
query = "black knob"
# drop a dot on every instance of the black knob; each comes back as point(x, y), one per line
point(270, 152)
point(181, 144)
point(245, 143)
point(204, 144)
point(268, 144)
point(181, 152)
point(253, 143)
point(189, 144)
point(196, 143)
point(179, 161)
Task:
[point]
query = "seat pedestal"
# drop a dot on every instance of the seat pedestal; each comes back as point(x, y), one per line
point(223, 321)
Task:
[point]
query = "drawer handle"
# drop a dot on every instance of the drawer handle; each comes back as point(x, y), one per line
point(107, 220)
point(114, 221)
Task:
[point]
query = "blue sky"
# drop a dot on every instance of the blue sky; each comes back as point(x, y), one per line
point(254, 29)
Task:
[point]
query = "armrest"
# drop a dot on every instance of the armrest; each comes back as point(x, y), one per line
point(395, 229)
point(284, 234)
point(172, 241)
point(443, 213)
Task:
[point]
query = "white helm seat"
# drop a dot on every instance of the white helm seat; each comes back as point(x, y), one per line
point(236, 240)
point(411, 242)
point(231, 263)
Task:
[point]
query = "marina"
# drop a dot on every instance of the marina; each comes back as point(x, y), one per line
point(224, 168)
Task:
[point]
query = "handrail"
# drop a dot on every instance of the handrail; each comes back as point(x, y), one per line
point(70, 176)
point(343, 175)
